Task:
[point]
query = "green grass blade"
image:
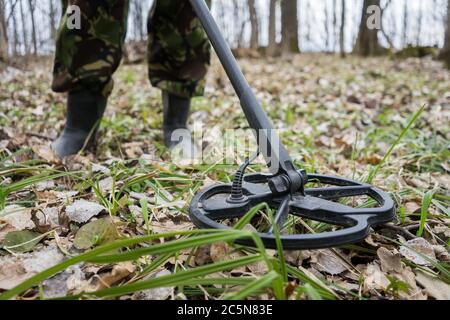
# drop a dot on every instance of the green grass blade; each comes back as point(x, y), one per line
point(250, 214)
point(311, 292)
point(91, 255)
point(172, 247)
point(144, 206)
point(426, 202)
point(177, 278)
point(255, 286)
point(374, 173)
point(156, 263)
point(320, 286)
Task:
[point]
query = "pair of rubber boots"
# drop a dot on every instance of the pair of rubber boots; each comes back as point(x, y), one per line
point(85, 111)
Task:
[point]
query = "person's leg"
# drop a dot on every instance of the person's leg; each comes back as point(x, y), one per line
point(85, 61)
point(178, 59)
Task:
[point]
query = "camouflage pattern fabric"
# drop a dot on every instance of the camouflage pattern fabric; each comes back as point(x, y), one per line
point(178, 49)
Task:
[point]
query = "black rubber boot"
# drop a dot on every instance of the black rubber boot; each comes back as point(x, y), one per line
point(176, 133)
point(84, 112)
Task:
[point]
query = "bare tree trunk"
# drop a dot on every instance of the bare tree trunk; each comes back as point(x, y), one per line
point(237, 19)
point(335, 32)
point(445, 52)
point(24, 29)
point(254, 22)
point(52, 18)
point(138, 19)
point(307, 22)
point(367, 43)
point(271, 50)
point(3, 33)
point(383, 31)
point(32, 5)
point(15, 33)
point(419, 24)
point(327, 28)
point(221, 21)
point(290, 23)
point(405, 23)
point(342, 29)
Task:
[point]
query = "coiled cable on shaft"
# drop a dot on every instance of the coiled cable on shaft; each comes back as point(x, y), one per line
point(237, 193)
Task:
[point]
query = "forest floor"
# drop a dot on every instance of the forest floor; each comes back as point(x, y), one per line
point(115, 222)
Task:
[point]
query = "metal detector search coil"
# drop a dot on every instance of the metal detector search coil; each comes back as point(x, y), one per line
point(285, 190)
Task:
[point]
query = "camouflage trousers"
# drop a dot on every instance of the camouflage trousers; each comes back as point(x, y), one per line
point(87, 57)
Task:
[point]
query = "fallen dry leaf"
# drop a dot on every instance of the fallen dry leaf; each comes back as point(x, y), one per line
point(118, 273)
point(106, 185)
point(414, 292)
point(60, 285)
point(412, 207)
point(5, 229)
point(296, 257)
point(202, 256)
point(16, 269)
point(374, 278)
point(218, 251)
point(157, 293)
point(45, 185)
point(104, 280)
point(259, 268)
point(442, 253)
point(18, 217)
point(433, 286)
point(327, 261)
point(21, 241)
point(390, 261)
point(168, 225)
point(96, 233)
point(419, 246)
point(82, 211)
point(45, 152)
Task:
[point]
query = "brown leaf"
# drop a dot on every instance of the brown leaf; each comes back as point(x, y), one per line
point(16, 269)
point(259, 268)
point(442, 254)
point(327, 261)
point(390, 261)
point(118, 273)
point(82, 211)
point(418, 183)
point(59, 285)
point(419, 246)
point(45, 196)
point(18, 217)
point(104, 280)
point(374, 278)
point(157, 293)
point(202, 256)
point(408, 277)
point(218, 251)
point(45, 152)
point(5, 229)
point(412, 207)
point(296, 257)
point(168, 225)
point(433, 286)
